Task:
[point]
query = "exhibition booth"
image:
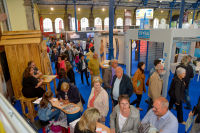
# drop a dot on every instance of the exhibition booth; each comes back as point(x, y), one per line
point(101, 45)
point(161, 44)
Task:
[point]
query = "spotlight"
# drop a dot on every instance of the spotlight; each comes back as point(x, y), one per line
point(52, 8)
point(79, 9)
point(161, 11)
point(103, 9)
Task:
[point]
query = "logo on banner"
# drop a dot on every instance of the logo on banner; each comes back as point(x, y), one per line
point(143, 34)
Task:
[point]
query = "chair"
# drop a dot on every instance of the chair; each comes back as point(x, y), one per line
point(28, 102)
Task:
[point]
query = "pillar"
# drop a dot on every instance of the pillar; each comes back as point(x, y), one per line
point(66, 22)
point(111, 25)
point(29, 14)
point(53, 26)
point(181, 13)
point(91, 20)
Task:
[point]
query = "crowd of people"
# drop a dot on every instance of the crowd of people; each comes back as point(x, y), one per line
point(125, 117)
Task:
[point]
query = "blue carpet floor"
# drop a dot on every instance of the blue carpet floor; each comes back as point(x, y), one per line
point(85, 91)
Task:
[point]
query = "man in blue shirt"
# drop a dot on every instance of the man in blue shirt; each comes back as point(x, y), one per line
point(161, 118)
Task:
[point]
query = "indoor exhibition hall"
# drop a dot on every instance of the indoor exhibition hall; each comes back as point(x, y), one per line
point(99, 66)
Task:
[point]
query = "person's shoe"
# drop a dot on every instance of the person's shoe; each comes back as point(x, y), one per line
point(189, 108)
point(140, 109)
point(183, 122)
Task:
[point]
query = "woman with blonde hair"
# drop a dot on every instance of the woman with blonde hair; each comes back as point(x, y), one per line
point(99, 98)
point(70, 93)
point(87, 123)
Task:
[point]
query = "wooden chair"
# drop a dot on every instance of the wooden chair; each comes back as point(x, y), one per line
point(28, 102)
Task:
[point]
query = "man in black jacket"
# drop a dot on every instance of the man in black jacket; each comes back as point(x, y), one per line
point(121, 85)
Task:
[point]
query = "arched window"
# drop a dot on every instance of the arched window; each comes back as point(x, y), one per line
point(119, 22)
point(98, 23)
point(163, 21)
point(128, 22)
point(59, 25)
point(84, 24)
point(47, 25)
point(73, 24)
point(155, 23)
point(106, 23)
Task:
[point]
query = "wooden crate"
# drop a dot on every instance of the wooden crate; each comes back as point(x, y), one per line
point(22, 47)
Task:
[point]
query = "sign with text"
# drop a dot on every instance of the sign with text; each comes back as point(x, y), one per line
point(143, 34)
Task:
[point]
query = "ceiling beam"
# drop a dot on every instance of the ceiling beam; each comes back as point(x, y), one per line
point(164, 5)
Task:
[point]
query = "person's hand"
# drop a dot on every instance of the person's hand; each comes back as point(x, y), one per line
point(66, 101)
point(191, 114)
point(91, 72)
point(177, 104)
point(52, 110)
point(103, 119)
point(112, 130)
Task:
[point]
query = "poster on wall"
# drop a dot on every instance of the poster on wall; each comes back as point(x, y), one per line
point(197, 50)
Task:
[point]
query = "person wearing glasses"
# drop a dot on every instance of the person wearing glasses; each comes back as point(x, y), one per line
point(161, 117)
point(125, 118)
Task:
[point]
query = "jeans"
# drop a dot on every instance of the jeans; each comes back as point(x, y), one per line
point(55, 114)
point(187, 98)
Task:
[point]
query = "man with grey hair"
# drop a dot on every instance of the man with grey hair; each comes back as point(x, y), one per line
point(108, 75)
point(177, 94)
point(161, 118)
point(121, 84)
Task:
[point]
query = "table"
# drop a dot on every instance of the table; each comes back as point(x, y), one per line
point(47, 80)
point(103, 127)
point(57, 104)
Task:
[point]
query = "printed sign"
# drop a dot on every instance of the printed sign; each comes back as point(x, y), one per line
point(143, 34)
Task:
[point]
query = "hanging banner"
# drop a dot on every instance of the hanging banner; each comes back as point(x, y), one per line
point(141, 12)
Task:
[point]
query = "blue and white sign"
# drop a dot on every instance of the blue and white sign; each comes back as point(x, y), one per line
point(143, 34)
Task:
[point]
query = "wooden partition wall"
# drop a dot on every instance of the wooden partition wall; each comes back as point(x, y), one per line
point(22, 47)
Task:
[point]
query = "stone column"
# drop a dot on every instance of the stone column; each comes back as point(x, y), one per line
point(53, 25)
point(29, 15)
point(66, 22)
point(134, 18)
point(102, 24)
point(91, 20)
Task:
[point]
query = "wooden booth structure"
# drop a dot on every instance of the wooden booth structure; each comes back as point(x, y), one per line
point(20, 48)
